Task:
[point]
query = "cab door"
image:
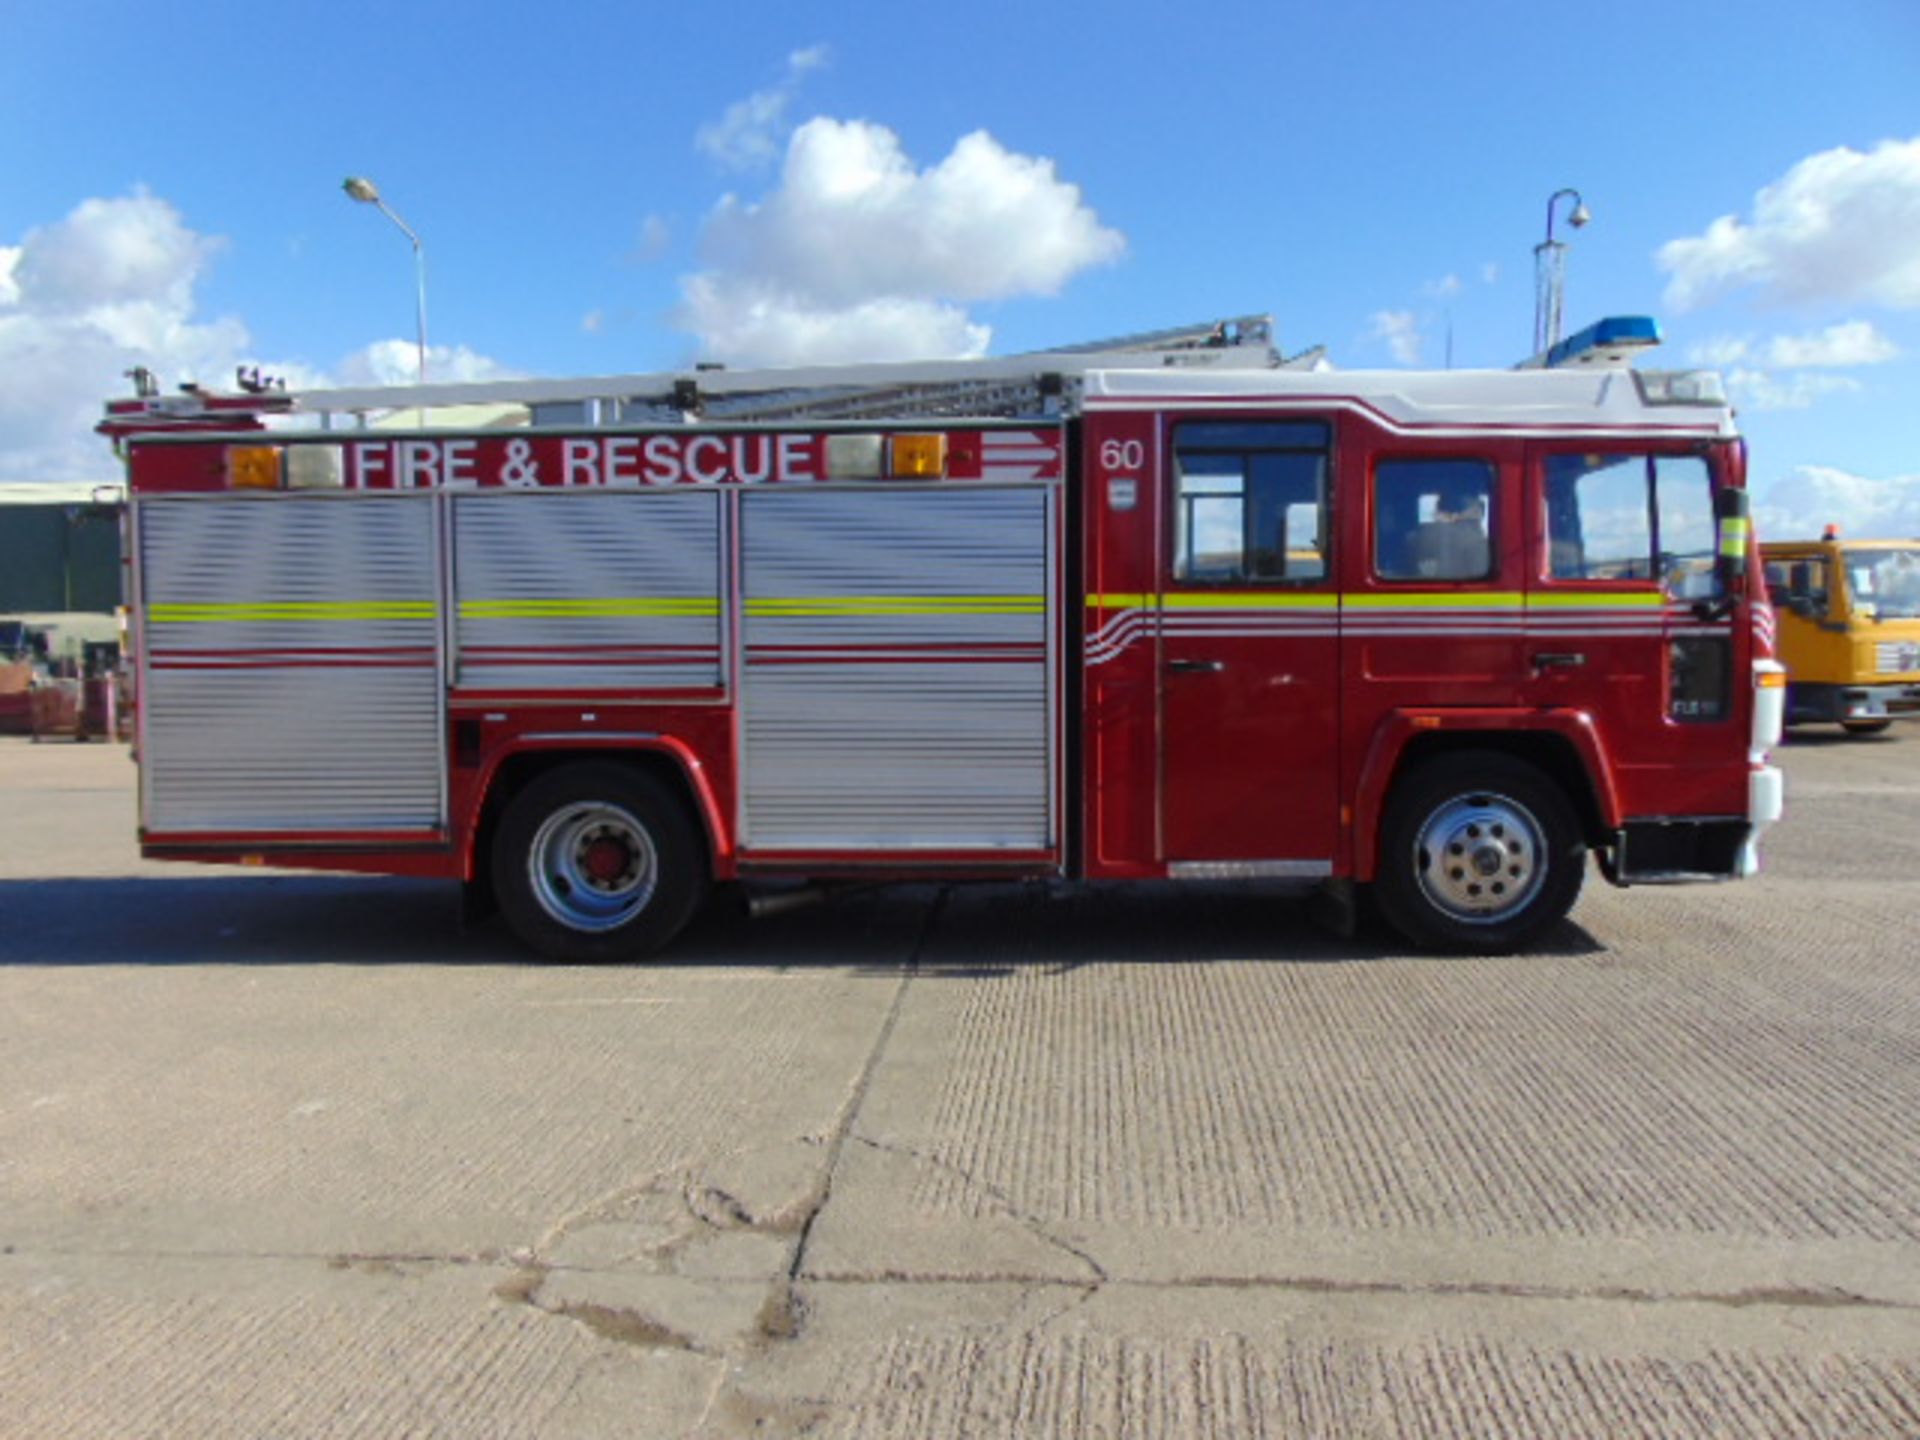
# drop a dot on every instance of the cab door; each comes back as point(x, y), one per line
point(1248, 647)
point(1627, 622)
point(1433, 606)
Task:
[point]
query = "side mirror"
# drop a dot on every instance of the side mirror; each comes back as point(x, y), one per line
point(1730, 510)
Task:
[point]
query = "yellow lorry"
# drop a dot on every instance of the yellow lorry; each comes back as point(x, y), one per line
point(1848, 613)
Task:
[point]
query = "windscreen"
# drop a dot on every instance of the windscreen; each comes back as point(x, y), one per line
point(1885, 584)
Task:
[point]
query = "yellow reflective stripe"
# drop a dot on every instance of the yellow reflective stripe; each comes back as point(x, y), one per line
point(303, 610)
point(1378, 600)
point(832, 606)
point(586, 609)
point(1426, 600)
point(1733, 535)
point(1220, 600)
point(1620, 600)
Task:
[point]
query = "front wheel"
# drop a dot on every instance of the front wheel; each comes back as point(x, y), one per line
point(1478, 851)
point(1864, 727)
point(597, 861)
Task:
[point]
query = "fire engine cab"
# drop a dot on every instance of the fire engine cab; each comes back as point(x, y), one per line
point(1172, 607)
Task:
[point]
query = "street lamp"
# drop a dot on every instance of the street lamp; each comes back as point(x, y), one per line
point(358, 187)
point(1550, 272)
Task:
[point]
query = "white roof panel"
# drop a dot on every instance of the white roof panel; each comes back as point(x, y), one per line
point(1429, 401)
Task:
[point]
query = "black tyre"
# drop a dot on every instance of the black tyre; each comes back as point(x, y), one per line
point(1865, 727)
point(598, 861)
point(1478, 852)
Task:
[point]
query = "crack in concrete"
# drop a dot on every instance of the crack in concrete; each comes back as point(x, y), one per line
point(619, 1324)
point(1033, 1223)
point(784, 1316)
point(626, 1327)
point(717, 1208)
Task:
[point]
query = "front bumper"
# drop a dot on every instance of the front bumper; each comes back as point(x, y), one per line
point(1852, 702)
point(1766, 802)
point(1683, 849)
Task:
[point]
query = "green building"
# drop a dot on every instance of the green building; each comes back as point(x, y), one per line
point(59, 547)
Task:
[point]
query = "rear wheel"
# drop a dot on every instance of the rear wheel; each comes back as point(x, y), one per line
point(1864, 727)
point(1478, 851)
point(597, 861)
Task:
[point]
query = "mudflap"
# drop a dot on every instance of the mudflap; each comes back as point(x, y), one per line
point(1335, 907)
point(477, 902)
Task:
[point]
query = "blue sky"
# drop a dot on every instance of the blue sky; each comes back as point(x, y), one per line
point(1371, 174)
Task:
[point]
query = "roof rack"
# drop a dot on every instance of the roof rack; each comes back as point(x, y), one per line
point(1037, 383)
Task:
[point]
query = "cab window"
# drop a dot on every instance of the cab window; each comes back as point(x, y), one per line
point(1250, 502)
point(1798, 584)
point(1885, 583)
point(1433, 519)
point(1632, 517)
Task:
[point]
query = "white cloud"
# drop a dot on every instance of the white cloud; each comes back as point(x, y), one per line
point(397, 362)
point(593, 322)
point(1445, 288)
point(112, 287)
point(656, 237)
point(763, 325)
point(1811, 497)
point(860, 255)
point(1855, 342)
point(1490, 273)
point(811, 58)
point(1772, 375)
point(128, 252)
point(1764, 390)
point(1401, 330)
point(86, 299)
point(1838, 226)
point(1721, 352)
point(748, 134)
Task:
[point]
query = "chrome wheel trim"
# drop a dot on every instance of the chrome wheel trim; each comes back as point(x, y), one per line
point(1480, 858)
point(566, 884)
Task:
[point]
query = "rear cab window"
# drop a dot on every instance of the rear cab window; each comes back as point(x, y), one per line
point(1250, 502)
point(1434, 519)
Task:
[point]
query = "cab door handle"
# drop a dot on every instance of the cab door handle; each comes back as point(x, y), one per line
point(1194, 667)
point(1558, 660)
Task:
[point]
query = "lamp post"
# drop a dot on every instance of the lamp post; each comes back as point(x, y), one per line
point(358, 187)
point(1550, 272)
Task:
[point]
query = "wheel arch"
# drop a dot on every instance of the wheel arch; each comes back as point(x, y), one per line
point(520, 764)
point(1562, 745)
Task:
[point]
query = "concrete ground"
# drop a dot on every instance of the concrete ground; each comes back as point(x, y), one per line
point(291, 1156)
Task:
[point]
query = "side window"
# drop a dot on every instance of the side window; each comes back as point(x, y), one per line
point(1810, 582)
point(1599, 526)
point(1433, 519)
point(1683, 527)
point(1250, 502)
point(1777, 581)
point(1804, 586)
point(1633, 517)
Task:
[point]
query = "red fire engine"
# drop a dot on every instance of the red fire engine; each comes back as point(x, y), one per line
point(1170, 608)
